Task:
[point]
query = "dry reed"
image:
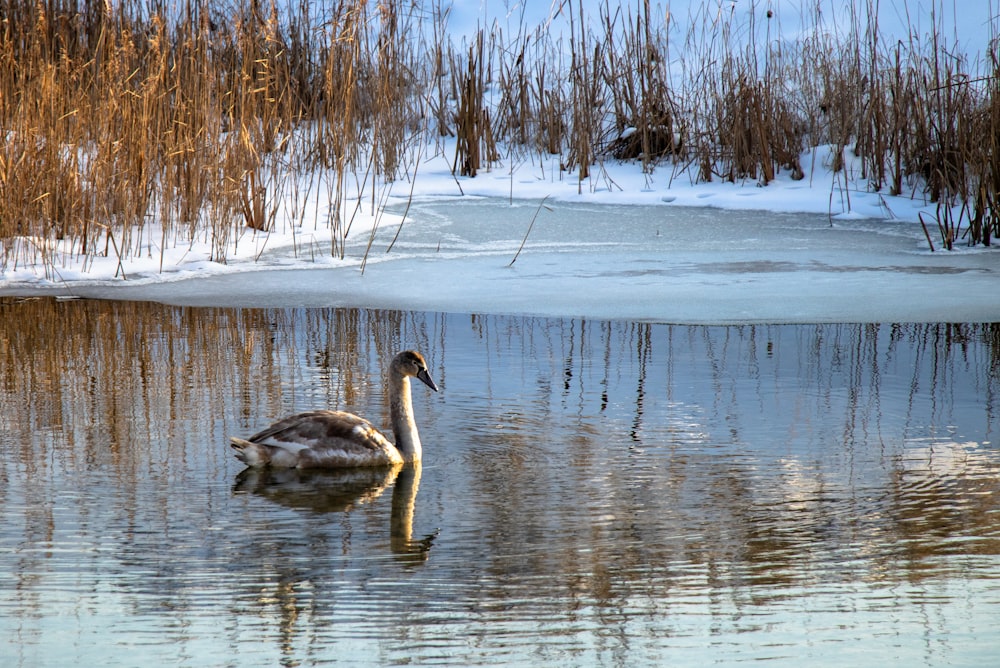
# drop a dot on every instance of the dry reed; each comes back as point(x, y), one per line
point(208, 119)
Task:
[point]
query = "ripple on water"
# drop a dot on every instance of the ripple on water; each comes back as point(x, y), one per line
point(594, 493)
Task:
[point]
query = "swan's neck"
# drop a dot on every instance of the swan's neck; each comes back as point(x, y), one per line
point(401, 413)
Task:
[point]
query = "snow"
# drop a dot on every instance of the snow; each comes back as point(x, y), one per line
point(621, 244)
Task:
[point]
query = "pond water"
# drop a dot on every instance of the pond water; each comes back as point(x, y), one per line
point(593, 492)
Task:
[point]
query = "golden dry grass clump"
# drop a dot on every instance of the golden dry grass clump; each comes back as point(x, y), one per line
point(214, 117)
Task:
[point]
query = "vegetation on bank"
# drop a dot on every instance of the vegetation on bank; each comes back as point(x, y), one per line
point(208, 117)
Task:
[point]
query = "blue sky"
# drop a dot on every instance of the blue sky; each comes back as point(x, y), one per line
point(967, 21)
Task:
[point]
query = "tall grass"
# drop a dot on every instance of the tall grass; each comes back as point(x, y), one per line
point(210, 119)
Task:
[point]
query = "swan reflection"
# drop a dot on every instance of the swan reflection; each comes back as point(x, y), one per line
point(342, 490)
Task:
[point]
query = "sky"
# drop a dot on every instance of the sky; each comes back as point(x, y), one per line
point(965, 21)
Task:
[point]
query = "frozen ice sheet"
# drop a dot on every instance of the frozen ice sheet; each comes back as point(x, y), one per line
point(652, 263)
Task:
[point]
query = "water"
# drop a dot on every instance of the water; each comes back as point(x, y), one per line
point(594, 492)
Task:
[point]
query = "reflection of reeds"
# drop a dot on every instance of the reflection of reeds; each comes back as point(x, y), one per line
point(147, 392)
point(212, 358)
point(114, 113)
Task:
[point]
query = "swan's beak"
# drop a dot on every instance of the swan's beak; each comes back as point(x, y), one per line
point(425, 378)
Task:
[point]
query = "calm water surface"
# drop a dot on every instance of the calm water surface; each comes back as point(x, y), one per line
point(594, 493)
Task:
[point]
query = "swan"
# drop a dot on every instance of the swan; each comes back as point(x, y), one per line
point(335, 439)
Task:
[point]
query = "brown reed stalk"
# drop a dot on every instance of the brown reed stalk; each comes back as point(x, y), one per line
point(342, 111)
point(586, 104)
point(441, 93)
point(986, 204)
point(531, 225)
point(476, 145)
point(636, 79)
point(392, 90)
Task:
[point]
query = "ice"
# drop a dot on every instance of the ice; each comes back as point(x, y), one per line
point(661, 263)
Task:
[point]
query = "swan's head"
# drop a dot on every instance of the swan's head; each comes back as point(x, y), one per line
point(412, 363)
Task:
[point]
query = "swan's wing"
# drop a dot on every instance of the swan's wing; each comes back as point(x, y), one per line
point(321, 430)
point(325, 439)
